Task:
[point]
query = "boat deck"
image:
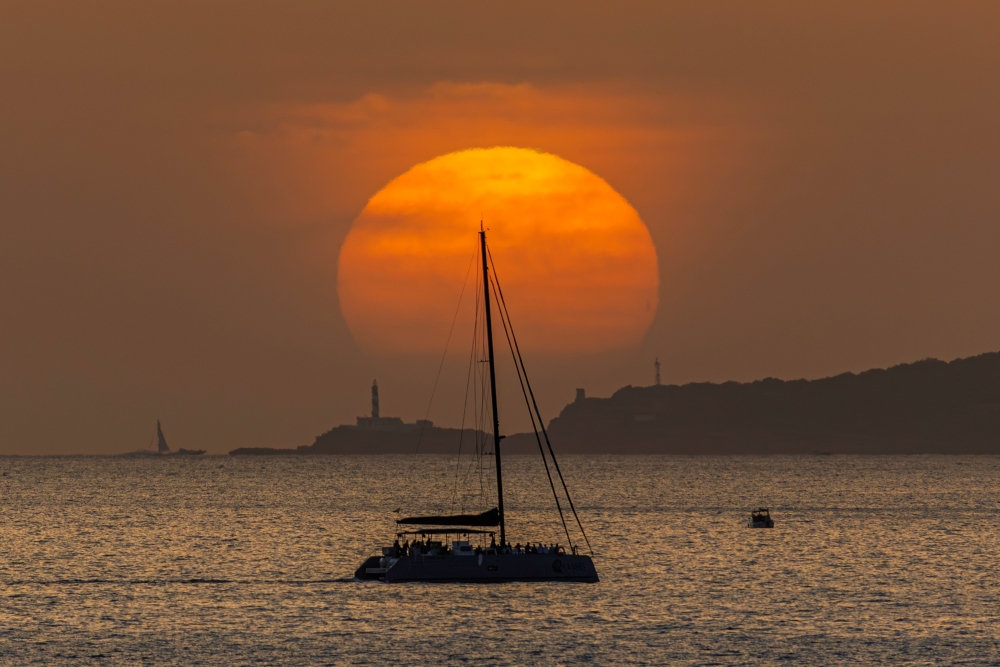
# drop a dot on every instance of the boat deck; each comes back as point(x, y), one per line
point(479, 568)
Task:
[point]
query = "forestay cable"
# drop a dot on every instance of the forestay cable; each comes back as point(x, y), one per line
point(520, 361)
point(503, 320)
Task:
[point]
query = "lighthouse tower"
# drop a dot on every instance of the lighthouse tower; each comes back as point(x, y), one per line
point(378, 422)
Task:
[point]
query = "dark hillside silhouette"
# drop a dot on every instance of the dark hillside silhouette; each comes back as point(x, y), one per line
point(352, 440)
point(925, 407)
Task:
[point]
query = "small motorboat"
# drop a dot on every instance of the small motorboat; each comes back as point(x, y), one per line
point(761, 518)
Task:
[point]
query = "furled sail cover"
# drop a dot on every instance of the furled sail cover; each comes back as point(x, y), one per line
point(487, 518)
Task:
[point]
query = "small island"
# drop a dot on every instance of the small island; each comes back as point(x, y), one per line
point(379, 435)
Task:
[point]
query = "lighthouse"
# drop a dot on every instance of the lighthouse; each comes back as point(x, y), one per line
point(379, 423)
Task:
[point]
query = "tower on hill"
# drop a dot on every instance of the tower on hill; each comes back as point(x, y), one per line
point(379, 423)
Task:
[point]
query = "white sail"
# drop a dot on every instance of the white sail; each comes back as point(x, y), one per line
point(161, 442)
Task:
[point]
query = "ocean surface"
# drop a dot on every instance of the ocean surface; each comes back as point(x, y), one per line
point(246, 561)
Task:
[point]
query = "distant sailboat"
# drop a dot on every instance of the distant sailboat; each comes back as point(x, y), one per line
point(162, 448)
point(161, 441)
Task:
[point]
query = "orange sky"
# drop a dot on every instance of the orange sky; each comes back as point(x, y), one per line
point(176, 181)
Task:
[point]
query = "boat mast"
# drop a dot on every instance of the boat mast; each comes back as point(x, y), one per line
point(493, 387)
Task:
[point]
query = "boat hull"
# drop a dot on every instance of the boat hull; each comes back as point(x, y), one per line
point(481, 568)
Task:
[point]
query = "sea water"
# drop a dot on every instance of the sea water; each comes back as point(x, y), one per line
point(238, 561)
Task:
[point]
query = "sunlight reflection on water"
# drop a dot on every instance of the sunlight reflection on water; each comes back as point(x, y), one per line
point(236, 560)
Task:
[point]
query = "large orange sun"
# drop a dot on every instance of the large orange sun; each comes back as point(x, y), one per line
point(576, 264)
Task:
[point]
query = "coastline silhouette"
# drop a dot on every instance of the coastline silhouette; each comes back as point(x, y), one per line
point(925, 407)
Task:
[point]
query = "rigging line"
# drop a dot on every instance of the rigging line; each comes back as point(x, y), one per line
point(444, 354)
point(461, 432)
point(485, 413)
point(537, 411)
point(468, 380)
point(503, 320)
point(478, 397)
point(485, 426)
